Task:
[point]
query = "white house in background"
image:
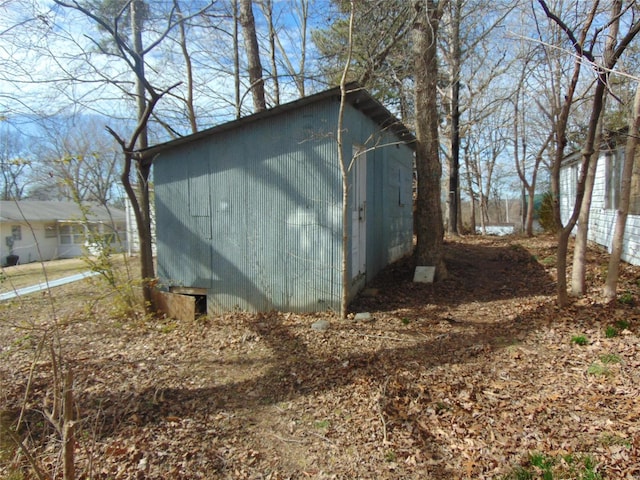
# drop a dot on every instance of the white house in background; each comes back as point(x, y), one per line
point(47, 230)
point(606, 197)
point(133, 244)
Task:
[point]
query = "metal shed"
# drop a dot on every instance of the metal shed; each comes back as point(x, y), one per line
point(248, 213)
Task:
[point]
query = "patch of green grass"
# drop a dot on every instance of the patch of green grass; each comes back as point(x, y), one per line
point(546, 467)
point(543, 464)
point(406, 321)
point(27, 340)
point(610, 439)
point(390, 456)
point(609, 358)
point(604, 270)
point(580, 340)
point(321, 424)
point(508, 342)
point(610, 332)
point(168, 327)
point(8, 446)
point(548, 261)
point(589, 469)
point(597, 368)
point(626, 298)
point(623, 324)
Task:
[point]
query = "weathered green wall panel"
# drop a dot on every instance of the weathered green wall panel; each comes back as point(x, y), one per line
point(184, 244)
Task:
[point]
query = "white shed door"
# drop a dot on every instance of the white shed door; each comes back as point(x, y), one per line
point(359, 213)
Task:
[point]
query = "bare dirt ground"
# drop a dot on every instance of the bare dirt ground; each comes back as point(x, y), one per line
point(478, 376)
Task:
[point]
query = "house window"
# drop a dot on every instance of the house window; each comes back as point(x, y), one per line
point(573, 172)
point(71, 234)
point(101, 234)
point(50, 230)
point(613, 165)
point(16, 232)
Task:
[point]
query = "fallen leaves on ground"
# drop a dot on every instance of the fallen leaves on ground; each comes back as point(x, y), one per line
point(466, 378)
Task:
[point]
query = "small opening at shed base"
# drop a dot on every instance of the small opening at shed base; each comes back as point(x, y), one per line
point(182, 303)
point(201, 305)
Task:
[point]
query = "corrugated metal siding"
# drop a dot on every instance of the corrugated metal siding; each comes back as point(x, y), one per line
point(182, 224)
point(254, 214)
point(292, 238)
point(274, 222)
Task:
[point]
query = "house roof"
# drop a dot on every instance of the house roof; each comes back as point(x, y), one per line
point(53, 211)
point(357, 97)
point(611, 141)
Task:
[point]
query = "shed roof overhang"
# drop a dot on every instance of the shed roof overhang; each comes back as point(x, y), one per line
point(357, 97)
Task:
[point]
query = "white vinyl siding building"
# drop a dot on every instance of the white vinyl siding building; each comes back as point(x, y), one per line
point(605, 200)
point(43, 230)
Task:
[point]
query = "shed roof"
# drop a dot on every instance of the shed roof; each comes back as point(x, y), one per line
point(357, 97)
point(54, 211)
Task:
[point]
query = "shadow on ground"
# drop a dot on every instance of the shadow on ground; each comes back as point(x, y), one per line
point(477, 273)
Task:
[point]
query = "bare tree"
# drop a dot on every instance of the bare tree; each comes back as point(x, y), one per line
point(475, 60)
point(299, 74)
point(14, 164)
point(485, 141)
point(78, 160)
point(127, 43)
point(345, 167)
point(484, 164)
point(529, 183)
point(236, 60)
point(560, 116)
point(527, 166)
point(284, 61)
point(184, 48)
point(471, 72)
point(429, 225)
point(578, 271)
point(254, 65)
point(267, 10)
point(471, 186)
point(454, 164)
